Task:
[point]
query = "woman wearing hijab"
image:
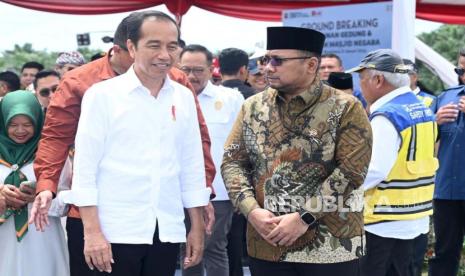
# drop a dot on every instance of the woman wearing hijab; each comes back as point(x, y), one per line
point(25, 251)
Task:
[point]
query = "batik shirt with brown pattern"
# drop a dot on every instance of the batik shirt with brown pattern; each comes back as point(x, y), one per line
point(309, 153)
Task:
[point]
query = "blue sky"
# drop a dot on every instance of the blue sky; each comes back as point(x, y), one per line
point(57, 32)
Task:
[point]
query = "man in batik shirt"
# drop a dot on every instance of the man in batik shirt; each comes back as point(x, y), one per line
point(293, 164)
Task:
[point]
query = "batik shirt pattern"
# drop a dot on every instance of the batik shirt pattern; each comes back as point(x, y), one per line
point(311, 152)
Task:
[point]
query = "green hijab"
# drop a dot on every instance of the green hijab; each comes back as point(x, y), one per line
point(19, 103)
point(16, 155)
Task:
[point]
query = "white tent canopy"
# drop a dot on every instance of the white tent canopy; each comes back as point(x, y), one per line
point(441, 66)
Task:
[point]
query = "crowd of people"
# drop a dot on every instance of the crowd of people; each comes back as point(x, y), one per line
point(159, 153)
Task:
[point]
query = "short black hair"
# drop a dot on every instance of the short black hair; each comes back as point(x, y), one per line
point(231, 60)
point(121, 33)
point(98, 55)
point(331, 55)
point(32, 64)
point(11, 80)
point(44, 74)
point(182, 43)
point(136, 19)
point(196, 48)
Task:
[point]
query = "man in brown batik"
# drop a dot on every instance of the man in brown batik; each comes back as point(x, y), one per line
point(294, 162)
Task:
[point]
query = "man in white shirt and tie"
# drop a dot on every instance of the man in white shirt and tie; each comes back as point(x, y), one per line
point(220, 106)
point(139, 161)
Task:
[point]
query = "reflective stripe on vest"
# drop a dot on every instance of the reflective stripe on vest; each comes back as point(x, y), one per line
point(407, 192)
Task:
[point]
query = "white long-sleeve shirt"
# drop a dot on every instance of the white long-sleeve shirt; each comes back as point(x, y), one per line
point(386, 144)
point(139, 159)
point(220, 107)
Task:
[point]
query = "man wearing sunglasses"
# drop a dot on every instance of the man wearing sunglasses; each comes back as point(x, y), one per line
point(45, 85)
point(460, 70)
point(449, 192)
point(293, 164)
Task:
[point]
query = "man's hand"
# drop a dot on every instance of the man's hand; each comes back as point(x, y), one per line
point(461, 105)
point(195, 238)
point(448, 113)
point(209, 218)
point(259, 218)
point(194, 247)
point(13, 196)
point(290, 228)
point(97, 252)
point(2, 201)
point(39, 211)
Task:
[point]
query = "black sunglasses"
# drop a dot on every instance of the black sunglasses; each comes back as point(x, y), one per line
point(459, 71)
point(277, 61)
point(45, 92)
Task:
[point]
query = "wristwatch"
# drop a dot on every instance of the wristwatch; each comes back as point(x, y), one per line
point(307, 218)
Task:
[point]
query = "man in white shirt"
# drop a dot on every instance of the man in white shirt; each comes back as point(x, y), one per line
point(400, 179)
point(220, 106)
point(139, 161)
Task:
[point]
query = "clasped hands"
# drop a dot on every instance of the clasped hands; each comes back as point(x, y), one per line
point(277, 230)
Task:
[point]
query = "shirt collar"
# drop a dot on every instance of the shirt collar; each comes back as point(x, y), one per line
point(416, 91)
point(133, 82)
point(389, 96)
point(461, 90)
point(207, 90)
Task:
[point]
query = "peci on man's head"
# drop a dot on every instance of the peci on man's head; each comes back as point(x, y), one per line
point(342, 81)
point(152, 42)
point(196, 63)
point(28, 73)
point(330, 63)
point(9, 81)
point(292, 58)
point(45, 85)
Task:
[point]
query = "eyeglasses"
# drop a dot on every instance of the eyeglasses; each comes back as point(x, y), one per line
point(459, 71)
point(277, 61)
point(197, 71)
point(45, 92)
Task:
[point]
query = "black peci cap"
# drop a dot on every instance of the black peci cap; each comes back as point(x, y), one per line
point(340, 80)
point(295, 38)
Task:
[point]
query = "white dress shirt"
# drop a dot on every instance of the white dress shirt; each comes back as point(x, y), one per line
point(386, 144)
point(220, 107)
point(139, 159)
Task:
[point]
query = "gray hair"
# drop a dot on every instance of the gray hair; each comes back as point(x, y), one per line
point(395, 79)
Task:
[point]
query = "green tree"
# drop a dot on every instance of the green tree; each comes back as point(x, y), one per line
point(446, 40)
point(15, 58)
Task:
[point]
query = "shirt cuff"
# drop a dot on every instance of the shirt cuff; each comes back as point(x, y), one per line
point(59, 207)
point(196, 198)
point(82, 197)
point(247, 205)
point(46, 185)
